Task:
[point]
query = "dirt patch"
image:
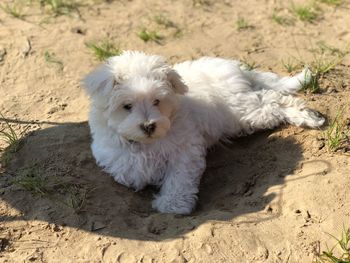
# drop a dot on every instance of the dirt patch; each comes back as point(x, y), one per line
point(270, 197)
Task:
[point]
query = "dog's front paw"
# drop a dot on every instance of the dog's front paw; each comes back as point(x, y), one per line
point(176, 204)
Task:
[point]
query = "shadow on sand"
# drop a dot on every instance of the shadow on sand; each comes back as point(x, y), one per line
point(76, 193)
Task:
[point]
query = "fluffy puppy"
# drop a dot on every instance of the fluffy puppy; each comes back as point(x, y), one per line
point(152, 123)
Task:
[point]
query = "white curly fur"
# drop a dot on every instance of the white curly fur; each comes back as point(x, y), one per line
point(191, 105)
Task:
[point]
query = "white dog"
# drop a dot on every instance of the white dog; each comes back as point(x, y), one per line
point(152, 123)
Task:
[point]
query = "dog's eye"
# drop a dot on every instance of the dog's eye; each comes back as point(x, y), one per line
point(156, 102)
point(127, 107)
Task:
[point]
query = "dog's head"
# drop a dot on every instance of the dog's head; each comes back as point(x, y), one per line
point(137, 95)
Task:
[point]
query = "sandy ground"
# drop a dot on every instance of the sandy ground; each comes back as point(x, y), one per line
point(271, 197)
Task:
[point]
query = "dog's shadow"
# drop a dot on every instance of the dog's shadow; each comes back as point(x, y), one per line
point(54, 178)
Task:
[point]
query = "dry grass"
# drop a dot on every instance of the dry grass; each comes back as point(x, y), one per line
point(243, 24)
point(281, 20)
point(52, 59)
point(55, 188)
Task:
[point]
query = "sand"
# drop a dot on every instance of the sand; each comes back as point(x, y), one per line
point(271, 197)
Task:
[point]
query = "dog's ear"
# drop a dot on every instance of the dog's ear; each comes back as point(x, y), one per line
point(101, 79)
point(176, 82)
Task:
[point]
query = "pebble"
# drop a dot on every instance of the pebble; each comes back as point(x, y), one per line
point(96, 225)
point(53, 110)
point(126, 258)
point(54, 227)
point(179, 259)
point(27, 48)
point(208, 249)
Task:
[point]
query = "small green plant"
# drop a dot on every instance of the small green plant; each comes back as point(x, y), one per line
point(337, 133)
point(320, 66)
point(13, 10)
point(50, 58)
point(325, 59)
point(290, 65)
point(167, 23)
point(10, 137)
point(31, 179)
point(8, 134)
point(104, 49)
point(248, 64)
point(147, 35)
point(281, 20)
point(332, 2)
point(242, 24)
point(343, 245)
point(164, 21)
point(61, 7)
point(323, 65)
point(202, 2)
point(306, 13)
point(331, 50)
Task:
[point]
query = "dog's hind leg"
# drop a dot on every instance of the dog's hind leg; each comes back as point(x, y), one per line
point(285, 85)
point(271, 108)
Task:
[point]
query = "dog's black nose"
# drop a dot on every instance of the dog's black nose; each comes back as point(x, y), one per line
point(148, 127)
